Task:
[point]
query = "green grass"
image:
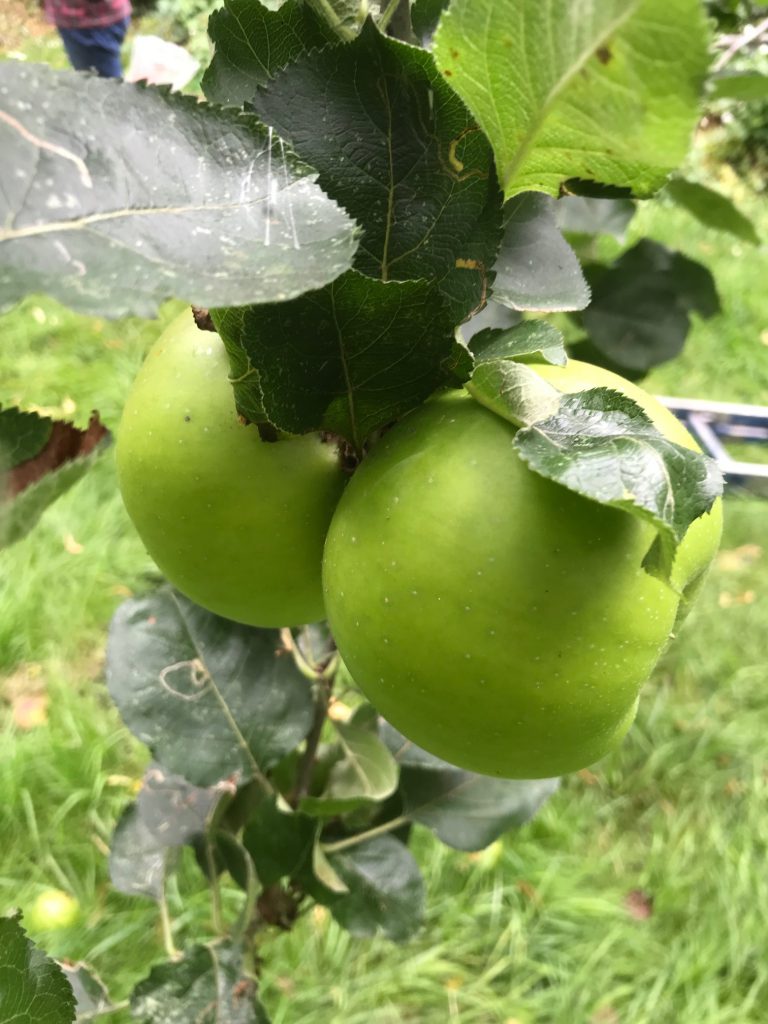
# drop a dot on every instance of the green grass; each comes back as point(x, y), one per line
point(541, 936)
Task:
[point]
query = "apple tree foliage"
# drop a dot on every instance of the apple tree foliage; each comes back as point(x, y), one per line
point(403, 191)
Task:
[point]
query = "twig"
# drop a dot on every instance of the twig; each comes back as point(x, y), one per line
point(362, 837)
point(747, 37)
point(94, 1014)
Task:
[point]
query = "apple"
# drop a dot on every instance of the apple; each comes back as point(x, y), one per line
point(497, 619)
point(53, 909)
point(235, 522)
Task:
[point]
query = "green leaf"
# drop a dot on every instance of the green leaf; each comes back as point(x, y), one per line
point(173, 810)
point(425, 15)
point(138, 862)
point(153, 195)
point(587, 215)
point(33, 989)
point(745, 85)
point(711, 208)
point(536, 269)
point(210, 698)
point(602, 445)
point(279, 840)
point(40, 459)
point(366, 771)
point(639, 314)
point(386, 890)
point(209, 985)
point(349, 358)
point(252, 43)
point(535, 341)
point(603, 90)
point(469, 811)
point(513, 391)
point(397, 149)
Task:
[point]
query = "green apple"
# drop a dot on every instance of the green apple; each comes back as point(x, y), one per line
point(235, 522)
point(497, 619)
point(52, 909)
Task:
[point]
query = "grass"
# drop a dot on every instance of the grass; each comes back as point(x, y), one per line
point(637, 896)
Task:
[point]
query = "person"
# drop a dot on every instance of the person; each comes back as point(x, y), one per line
point(92, 32)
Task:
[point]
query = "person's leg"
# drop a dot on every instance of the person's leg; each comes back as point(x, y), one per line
point(96, 49)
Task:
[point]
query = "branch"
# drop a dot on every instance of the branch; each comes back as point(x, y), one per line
point(747, 37)
point(371, 833)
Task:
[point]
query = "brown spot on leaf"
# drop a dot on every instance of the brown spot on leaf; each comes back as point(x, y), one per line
point(447, 72)
point(455, 54)
point(639, 904)
point(604, 55)
point(65, 444)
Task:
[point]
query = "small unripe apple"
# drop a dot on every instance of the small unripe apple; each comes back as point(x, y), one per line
point(235, 522)
point(496, 618)
point(52, 909)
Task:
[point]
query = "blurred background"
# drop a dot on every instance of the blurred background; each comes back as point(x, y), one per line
point(638, 895)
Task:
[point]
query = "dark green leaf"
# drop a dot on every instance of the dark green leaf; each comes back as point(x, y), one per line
point(603, 90)
point(366, 771)
point(513, 391)
point(711, 208)
point(137, 860)
point(493, 314)
point(425, 15)
point(153, 195)
point(91, 995)
point(397, 148)
point(33, 989)
point(349, 358)
point(465, 810)
point(386, 890)
point(279, 840)
point(746, 85)
point(208, 986)
point(602, 445)
point(639, 314)
point(406, 753)
point(173, 810)
point(252, 43)
point(588, 216)
point(40, 459)
point(210, 698)
point(533, 341)
point(316, 645)
point(536, 269)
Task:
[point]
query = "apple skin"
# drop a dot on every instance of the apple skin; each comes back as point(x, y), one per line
point(497, 619)
point(53, 909)
point(237, 524)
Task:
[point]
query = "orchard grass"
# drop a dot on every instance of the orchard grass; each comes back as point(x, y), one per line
point(637, 896)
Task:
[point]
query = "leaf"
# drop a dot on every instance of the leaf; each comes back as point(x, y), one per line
point(366, 771)
point(586, 215)
point(40, 459)
point(639, 314)
point(33, 989)
point(493, 314)
point(386, 890)
point(152, 195)
point(469, 811)
point(425, 15)
point(252, 43)
point(712, 209)
point(279, 840)
point(360, 354)
point(209, 985)
point(90, 992)
point(137, 860)
point(210, 698)
point(535, 341)
point(603, 90)
point(513, 391)
point(536, 269)
point(398, 150)
point(602, 445)
point(173, 810)
point(746, 85)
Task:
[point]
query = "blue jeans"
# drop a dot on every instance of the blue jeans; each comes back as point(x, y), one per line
point(97, 48)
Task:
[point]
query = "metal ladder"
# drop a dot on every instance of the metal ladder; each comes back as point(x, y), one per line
point(713, 423)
